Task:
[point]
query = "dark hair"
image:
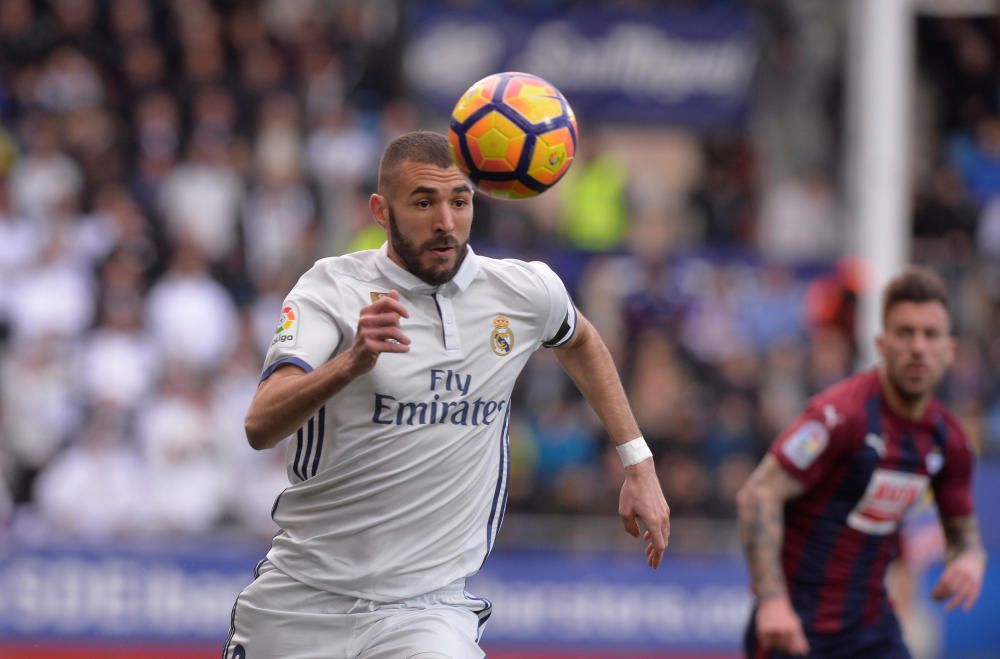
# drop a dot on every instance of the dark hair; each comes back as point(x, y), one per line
point(915, 284)
point(419, 146)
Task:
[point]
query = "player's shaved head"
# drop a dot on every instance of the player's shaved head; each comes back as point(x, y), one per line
point(915, 284)
point(419, 146)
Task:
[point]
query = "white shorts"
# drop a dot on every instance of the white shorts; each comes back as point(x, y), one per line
point(277, 617)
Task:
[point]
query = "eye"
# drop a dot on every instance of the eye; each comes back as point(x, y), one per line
point(460, 203)
point(423, 203)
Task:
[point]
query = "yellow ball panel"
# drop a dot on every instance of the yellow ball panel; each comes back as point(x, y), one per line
point(534, 99)
point(552, 157)
point(475, 97)
point(495, 143)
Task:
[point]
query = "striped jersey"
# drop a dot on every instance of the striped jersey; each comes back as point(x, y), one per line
point(863, 466)
point(399, 482)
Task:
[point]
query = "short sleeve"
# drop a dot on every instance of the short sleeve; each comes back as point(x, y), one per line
point(305, 335)
point(813, 443)
point(953, 484)
point(560, 315)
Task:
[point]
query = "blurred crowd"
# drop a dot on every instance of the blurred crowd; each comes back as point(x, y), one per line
point(168, 170)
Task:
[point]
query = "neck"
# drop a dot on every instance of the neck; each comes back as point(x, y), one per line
point(908, 407)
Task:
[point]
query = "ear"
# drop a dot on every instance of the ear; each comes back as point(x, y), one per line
point(880, 345)
point(379, 208)
point(952, 348)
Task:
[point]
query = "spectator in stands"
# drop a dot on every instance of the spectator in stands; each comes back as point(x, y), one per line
point(201, 195)
point(186, 490)
point(280, 211)
point(191, 315)
point(89, 490)
point(44, 176)
point(21, 240)
point(976, 156)
point(119, 362)
point(800, 220)
point(53, 297)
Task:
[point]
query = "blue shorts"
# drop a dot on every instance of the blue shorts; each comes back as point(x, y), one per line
point(881, 641)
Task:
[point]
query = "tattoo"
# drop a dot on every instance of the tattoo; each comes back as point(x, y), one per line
point(762, 527)
point(962, 535)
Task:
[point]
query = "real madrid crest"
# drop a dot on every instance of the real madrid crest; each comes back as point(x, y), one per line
point(502, 338)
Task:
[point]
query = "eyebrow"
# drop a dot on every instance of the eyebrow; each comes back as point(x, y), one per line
point(432, 192)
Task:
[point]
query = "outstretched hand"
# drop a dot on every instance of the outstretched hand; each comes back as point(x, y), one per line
point(961, 581)
point(379, 331)
point(642, 500)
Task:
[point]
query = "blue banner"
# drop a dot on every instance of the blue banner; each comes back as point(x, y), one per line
point(57, 599)
point(540, 600)
point(683, 66)
point(614, 602)
point(145, 594)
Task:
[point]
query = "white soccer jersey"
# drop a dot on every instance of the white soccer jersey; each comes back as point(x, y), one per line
point(399, 482)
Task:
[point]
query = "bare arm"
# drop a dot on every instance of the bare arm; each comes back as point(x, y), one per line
point(762, 525)
point(285, 400)
point(587, 361)
point(962, 579)
point(761, 503)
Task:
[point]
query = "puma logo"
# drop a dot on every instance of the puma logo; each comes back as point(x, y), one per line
point(876, 442)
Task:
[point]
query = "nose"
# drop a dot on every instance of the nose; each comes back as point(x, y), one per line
point(444, 222)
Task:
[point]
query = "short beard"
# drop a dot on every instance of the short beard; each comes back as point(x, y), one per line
point(904, 393)
point(410, 253)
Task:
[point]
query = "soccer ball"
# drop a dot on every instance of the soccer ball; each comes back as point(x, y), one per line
point(513, 135)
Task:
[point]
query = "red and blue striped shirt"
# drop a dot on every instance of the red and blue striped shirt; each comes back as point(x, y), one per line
point(863, 466)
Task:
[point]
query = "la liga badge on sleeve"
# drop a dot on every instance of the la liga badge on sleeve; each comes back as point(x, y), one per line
point(806, 443)
point(288, 325)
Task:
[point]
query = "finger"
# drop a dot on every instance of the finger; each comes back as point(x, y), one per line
point(386, 341)
point(631, 526)
point(655, 558)
point(655, 531)
point(798, 644)
point(942, 588)
point(973, 596)
point(966, 593)
point(377, 346)
point(385, 334)
point(391, 301)
point(391, 346)
point(379, 319)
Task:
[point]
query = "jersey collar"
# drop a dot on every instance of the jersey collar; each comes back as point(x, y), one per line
point(407, 281)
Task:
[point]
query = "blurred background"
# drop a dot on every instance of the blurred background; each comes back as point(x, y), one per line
point(168, 168)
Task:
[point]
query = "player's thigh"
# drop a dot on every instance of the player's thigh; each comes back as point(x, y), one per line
point(276, 617)
point(440, 632)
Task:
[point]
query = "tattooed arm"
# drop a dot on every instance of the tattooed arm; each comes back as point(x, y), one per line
point(966, 562)
point(762, 527)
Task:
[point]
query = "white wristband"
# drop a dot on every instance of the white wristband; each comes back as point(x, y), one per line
point(634, 451)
